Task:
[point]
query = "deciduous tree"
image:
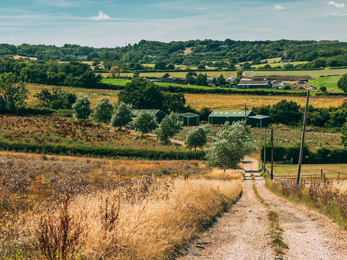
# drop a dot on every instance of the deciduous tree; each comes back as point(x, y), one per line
point(197, 137)
point(145, 122)
point(230, 145)
point(82, 107)
point(122, 115)
point(168, 127)
point(103, 111)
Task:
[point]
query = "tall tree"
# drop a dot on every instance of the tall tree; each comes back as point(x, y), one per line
point(197, 137)
point(122, 115)
point(145, 122)
point(82, 107)
point(230, 145)
point(12, 93)
point(103, 111)
point(170, 126)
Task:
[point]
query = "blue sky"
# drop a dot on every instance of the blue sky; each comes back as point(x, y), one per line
point(111, 23)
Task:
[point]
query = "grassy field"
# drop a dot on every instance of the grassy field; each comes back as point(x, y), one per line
point(331, 170)
point(329, 82)
point(198, 101)
point(273, 65)
point(312, 73)
point(53, 130)
point(283, 136)
point(216, 73)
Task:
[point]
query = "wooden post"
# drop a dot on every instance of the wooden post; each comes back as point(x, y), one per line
point(272, 154)
point(265, 151)
point(302, 138)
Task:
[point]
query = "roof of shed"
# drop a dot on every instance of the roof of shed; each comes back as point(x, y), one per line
point(259, 117)
point(136, 112)
point(189, 115)
point(253, 82)
point(230, 113)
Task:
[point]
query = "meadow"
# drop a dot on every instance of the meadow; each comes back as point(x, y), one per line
point(273, 65)
point(85, 212)
point(55, 130)
point(329, 82)
point(332, 171)
point(312, 73)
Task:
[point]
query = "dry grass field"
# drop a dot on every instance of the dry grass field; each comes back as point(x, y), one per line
point(198, 101)
point(83, 211)
point(237, 102)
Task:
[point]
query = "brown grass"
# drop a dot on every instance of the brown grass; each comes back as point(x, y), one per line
point(227, 175)
point(153, 226)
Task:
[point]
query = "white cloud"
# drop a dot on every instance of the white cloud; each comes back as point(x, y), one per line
point(336, 14)
point(101, 16)
point(336, 5)
point(278, 7)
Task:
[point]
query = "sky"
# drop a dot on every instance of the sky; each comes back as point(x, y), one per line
point(111, 23)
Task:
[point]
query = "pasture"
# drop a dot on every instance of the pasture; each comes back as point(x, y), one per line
point(312, 73)
point(273, 65)
point(332, 171)
point(329, 82)
point(54, 130)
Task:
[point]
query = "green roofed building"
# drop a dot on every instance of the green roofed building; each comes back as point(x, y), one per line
point(220, 117)
point(157, 112)
point(189, 119)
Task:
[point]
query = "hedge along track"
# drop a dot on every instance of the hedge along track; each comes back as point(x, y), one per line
point(275, 230)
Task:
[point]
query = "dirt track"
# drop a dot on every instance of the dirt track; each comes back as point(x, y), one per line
point(242, 233)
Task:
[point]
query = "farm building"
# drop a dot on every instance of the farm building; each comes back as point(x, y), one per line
point(220, 117)
point(189, 119)
point(157, 112)
point(249, 84)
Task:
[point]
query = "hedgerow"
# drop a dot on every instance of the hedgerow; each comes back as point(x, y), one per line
point(76, 150)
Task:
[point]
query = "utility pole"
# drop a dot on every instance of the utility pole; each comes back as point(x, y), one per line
point(302, 139)
point(264, 151)
point(272, 154)
point(245, 110)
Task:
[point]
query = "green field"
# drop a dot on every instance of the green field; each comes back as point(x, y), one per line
point(216, 73)
point(273, 65)
point(329, 82)
point(312, 73)
point(331, 170)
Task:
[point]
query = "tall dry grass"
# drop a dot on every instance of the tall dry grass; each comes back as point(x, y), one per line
point(147, 219)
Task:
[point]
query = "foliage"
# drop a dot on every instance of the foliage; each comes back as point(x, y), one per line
point(12, 93)
point(103, 111)
point(58, 99)
point(286, 113)
point(197, 137)
point(201, 80)
point(122, 115)
point(344, 135)
point(170, 126)
point(342, 83)
point(82, 107)
point(145, 122)
point(230, 145)
point(221, 80)
point(204, 113)
point(144, 94)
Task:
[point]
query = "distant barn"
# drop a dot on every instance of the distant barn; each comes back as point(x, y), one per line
point(220, 117)
point(157, 112)
point(249, 84)
point(189, 119)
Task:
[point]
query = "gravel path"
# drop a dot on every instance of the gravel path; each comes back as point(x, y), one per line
point(242, 233)
point(308, 234)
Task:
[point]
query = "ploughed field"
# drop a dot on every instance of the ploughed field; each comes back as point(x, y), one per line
point(55, 130)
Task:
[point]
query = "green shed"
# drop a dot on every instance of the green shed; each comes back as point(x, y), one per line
point(220, 117)
point(157, 112)
point(259, 121)
point(189, 119)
